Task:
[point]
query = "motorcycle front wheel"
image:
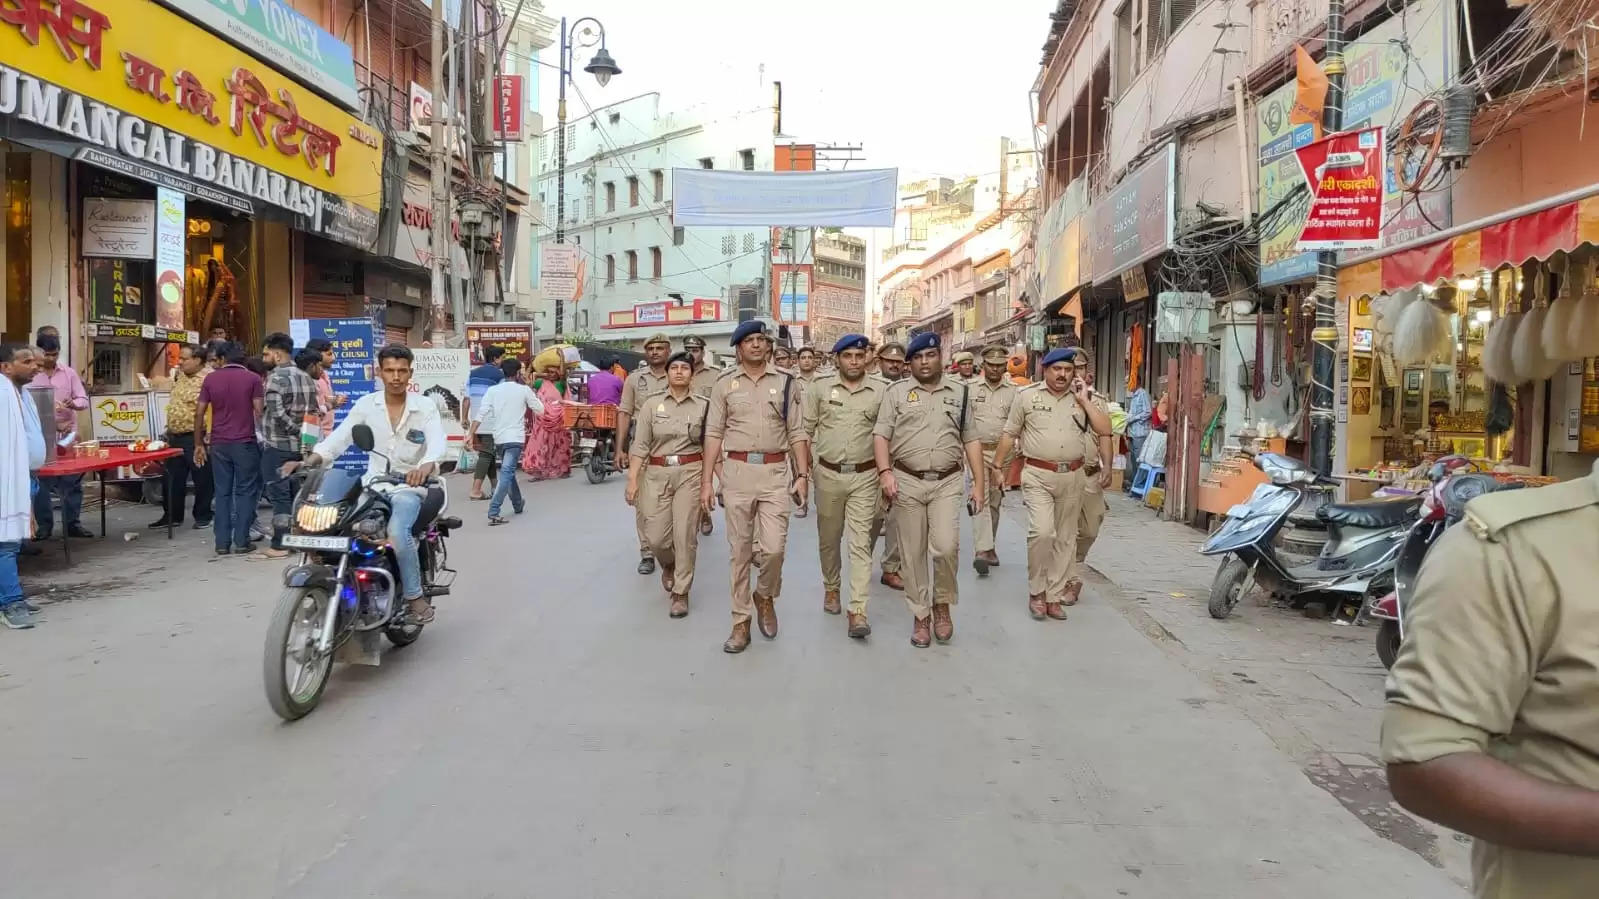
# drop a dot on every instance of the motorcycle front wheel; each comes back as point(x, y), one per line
point(1388, 642)
point(599, 466)
point(294, 672)
point(1228, 587)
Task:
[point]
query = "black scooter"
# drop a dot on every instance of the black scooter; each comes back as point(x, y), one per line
point(1363, 540)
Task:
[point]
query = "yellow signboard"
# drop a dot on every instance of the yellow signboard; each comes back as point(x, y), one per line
point(149, 93)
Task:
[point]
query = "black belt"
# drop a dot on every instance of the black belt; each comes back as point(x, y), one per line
point(927, 475)
point(846, 468)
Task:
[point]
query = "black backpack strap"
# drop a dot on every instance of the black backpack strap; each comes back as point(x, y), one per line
point(960, 423)
point(788, 384)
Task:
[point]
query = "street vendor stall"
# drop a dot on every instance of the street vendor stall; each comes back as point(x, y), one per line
point(102, 461)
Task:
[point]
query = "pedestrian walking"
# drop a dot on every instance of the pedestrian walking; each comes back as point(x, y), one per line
point(753, 426)
point(289, 398)
point(891, 368)
point(226, 411)
point(992, 396)
point(840, 413)
point(478, 383)
point(1140, 415)
point(22, 451)
point(924, 437)
point(1489, 726)
point(548, 453)
point(665, 478)
point(180, 470)
point(503, 411)
point(1051, 422)
point(647, 381)
point(70, 399)
point(1098, 453)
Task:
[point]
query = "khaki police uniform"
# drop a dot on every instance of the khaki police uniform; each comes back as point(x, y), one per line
point(1094, 507)
point(990, 409)
point(1053, 433)
point(838, 420)
point(927, 429)
point(639, 386)
point(885, 526)
point(758, 434)
point(705, 378)
point(670, 442)
point(1500, 659)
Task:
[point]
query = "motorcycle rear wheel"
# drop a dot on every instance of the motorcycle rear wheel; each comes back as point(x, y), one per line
point(598, 467)
point(1227, 589)
point(1388, 642)
point(294, 673)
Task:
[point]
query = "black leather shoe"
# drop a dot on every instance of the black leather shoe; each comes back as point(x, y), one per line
point(160, 523)
point(79, 532)
point(646, 565)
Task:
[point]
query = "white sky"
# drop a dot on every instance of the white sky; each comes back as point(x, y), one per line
point(923, 88)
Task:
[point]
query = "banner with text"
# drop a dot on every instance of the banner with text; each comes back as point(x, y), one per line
point(353, 373)
point(1345, 175)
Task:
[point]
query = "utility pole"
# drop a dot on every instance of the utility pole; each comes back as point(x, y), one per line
point(560, 172)
point(440, 164)
point(1324, 336)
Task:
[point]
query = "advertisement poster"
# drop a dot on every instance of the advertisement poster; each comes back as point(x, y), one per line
point(508, 105)
point(515, 337)
point(354, 372)
point(169, 237)
point(561, 271)
point(124, 229)
point(120, 418)
point(440, 375)
point(114, 294)
point(1345, 175)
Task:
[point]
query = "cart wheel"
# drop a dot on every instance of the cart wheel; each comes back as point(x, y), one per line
point(598, 467)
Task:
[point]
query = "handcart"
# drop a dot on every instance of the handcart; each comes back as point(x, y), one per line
point(593, 439)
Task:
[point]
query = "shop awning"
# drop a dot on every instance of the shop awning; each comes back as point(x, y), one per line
point(1020, 316)
point(934, 319)
point(1534, 235)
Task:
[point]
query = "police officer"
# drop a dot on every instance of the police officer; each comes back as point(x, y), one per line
point(1097, 456)
point(924, 434)
point(753, 426)
point(663, 482)
point(1051, 421)
point(648, 380)
point(810, 363)
point(705, 377)
point(890, 368)
point(783, 359)
point(965, 367)
point(1490, 726)
point(992, 396)
point(840, 412)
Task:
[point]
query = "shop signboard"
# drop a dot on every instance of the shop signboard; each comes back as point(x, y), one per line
point(413, 239)
point(354, 370)
point(1389, 70)
point(561, 269)
point(516, 338)
point(120, 418)
point(1344, 174)
point(272, 30)
point(1135, 221)
point(169, 236)
point(1060, 244)
point(146, 93)
point(116, 293)
point(508, 104)
point(108, 331)
point(650, 313)
point(440, 376)
point(117, 227)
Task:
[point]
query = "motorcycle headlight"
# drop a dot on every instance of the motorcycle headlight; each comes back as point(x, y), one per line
point(314, 519)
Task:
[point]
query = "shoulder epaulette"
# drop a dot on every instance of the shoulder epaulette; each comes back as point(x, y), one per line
point(1489, 515)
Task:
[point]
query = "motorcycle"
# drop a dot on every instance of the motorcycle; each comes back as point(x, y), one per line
point(1357, 558)
point(346, 582)
point(1444, 506)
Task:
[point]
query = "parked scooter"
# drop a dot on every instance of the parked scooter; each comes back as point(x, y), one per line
point(1363, 541)
point(1444, 506)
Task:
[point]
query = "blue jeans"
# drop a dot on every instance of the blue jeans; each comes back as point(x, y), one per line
point(10, 581)
point(509, 454)
point(404, 507)
point(279, 490)
point(1135, 448)
point(70, 489)
point(236, 472)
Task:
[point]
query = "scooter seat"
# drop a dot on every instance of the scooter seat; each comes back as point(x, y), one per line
point(1386, 512)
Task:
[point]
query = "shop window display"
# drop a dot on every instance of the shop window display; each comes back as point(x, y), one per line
point(18, 249)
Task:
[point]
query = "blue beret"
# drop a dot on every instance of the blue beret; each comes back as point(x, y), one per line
point(748, 329)
point(1060, 354)
point(851, 342)
point(926, 340)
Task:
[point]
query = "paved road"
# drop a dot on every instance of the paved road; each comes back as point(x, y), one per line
point(555, 734)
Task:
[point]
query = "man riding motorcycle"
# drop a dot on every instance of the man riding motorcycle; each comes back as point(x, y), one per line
point(407, 430)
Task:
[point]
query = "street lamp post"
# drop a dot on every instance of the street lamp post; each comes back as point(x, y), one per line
point(602, 67)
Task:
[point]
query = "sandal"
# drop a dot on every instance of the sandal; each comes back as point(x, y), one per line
point(424, 614)
point(478, 499)
point(269, 555)
point(497, 520)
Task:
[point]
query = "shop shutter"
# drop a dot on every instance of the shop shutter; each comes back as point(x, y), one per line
point(322, 306)
point(397, 334)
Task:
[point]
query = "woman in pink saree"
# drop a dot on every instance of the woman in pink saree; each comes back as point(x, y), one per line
point(549, 443)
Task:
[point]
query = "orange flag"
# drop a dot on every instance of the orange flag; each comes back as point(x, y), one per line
point(1311, 93)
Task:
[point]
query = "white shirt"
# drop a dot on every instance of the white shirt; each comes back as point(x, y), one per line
point(417, 440)
point(503, 412)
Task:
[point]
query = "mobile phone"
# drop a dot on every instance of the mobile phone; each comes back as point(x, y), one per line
point(971, 508)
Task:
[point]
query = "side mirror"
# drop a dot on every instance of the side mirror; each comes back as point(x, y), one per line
point(363, 438)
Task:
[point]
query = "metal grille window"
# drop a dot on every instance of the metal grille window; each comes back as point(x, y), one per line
point(749, 243)
point(110, 361)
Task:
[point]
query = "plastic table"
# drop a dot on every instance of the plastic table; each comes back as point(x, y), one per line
point(92, 465)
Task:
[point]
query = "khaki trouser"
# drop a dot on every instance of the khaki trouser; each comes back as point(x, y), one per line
point(1054, 503)
point(847, 502)
point(927, 516)
point(986, 524)
point(886, 529)
point(758, 503)
point(640, 526)
point(669, 502)
point(1088, 524)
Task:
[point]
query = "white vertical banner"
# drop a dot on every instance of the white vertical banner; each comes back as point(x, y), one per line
point(169, 236)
